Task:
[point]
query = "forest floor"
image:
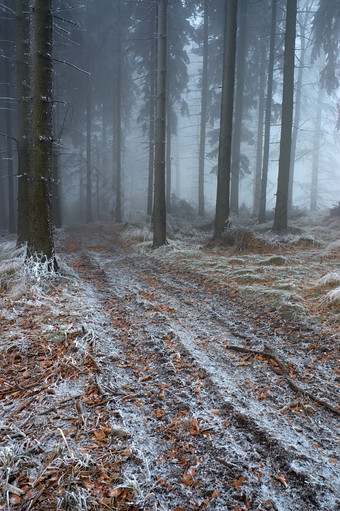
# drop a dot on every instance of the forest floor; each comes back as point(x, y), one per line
point(198, 376)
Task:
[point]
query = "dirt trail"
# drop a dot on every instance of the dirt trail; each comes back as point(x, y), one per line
point(209, 428)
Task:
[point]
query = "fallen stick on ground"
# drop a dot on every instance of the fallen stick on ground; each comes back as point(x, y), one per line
point(270, 355)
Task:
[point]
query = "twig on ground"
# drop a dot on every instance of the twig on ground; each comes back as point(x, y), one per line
point(269, 354)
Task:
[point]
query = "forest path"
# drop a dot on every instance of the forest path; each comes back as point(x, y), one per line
point(209, 428)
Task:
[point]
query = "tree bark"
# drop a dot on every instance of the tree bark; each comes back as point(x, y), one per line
point(260, 124)
point(40, 243)
point(159, 210)
point(226, 121)
point(268, 114)
point(281, 209)
point(89, 215)
point(316, 152)
point(203, 123)
point(118, 212)
point(236, 148)
point(297, 109)
point(24, 103)
point(151, 127)
point(10, 147)
point(168, 157)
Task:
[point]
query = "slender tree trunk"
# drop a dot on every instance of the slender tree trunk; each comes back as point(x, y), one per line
point(151, 146)
point(316, 152)
point(236, 148)
point(259, 145)
point(204, 94)
point(10, 153)
point(268, 114)
point(226, 121)
point(3, 222)
point(153, 58)
point(55, 191)
point(159, 209)
point(40, 243)
point(168, 157)
point(89, 215)
point(81, 183)
point(10, 148)
point(297, 109)
point(118, 213)
point(281, 209)
point(23, 85)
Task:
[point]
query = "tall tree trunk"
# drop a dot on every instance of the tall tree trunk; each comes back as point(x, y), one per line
point(81, 183)
point(118, 212)
point(10, 153)
point(55, 192)
point(23, 85)
point(297, 111)
point(3, 222)
point(168, 157)
point(236, 147)
point(10, 148)
point(153, 57)
point(316, 151)
point(226, 121)
point(89, 215)
point(203, 121)
point(268, 114)
point(40, 242)
point(281, 209)
point(259, 144)
point(151, 146)
point(159, 209)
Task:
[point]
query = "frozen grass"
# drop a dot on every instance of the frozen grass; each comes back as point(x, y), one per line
point(290, 271)
point(332, 297)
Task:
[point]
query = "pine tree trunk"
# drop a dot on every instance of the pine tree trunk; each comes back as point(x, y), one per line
point(281, 209)
point(23, 85)
point(151, 128)
point(260, 124)
point(236, 148)
point(118, 212)
point(89, 215)
point(10, 153)
point(3, 223)
point(203, 121)
point(268, 114)
point(40, 242)
point(226, 121)
point(168, 158)
point(151, 157)
point(316, 152)
point(10, 148)
point(297, 109)
point(159, 209)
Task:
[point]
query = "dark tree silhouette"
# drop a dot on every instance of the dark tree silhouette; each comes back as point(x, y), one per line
point(281, 208)
point(226, 120)
point(40, 241)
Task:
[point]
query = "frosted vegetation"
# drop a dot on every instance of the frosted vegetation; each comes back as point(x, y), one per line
point(297, 273)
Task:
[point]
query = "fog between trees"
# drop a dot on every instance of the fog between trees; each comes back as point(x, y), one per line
point(146, 102)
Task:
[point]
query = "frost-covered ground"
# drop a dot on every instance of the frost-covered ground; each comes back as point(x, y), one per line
point(197, 376)
point(298, 272)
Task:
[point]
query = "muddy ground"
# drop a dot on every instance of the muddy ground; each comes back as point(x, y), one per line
point(168, 393)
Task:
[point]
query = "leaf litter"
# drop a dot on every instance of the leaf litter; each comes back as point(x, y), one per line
point(119, 389)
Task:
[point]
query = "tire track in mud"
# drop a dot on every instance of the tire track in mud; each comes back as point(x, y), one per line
point(202, 439)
